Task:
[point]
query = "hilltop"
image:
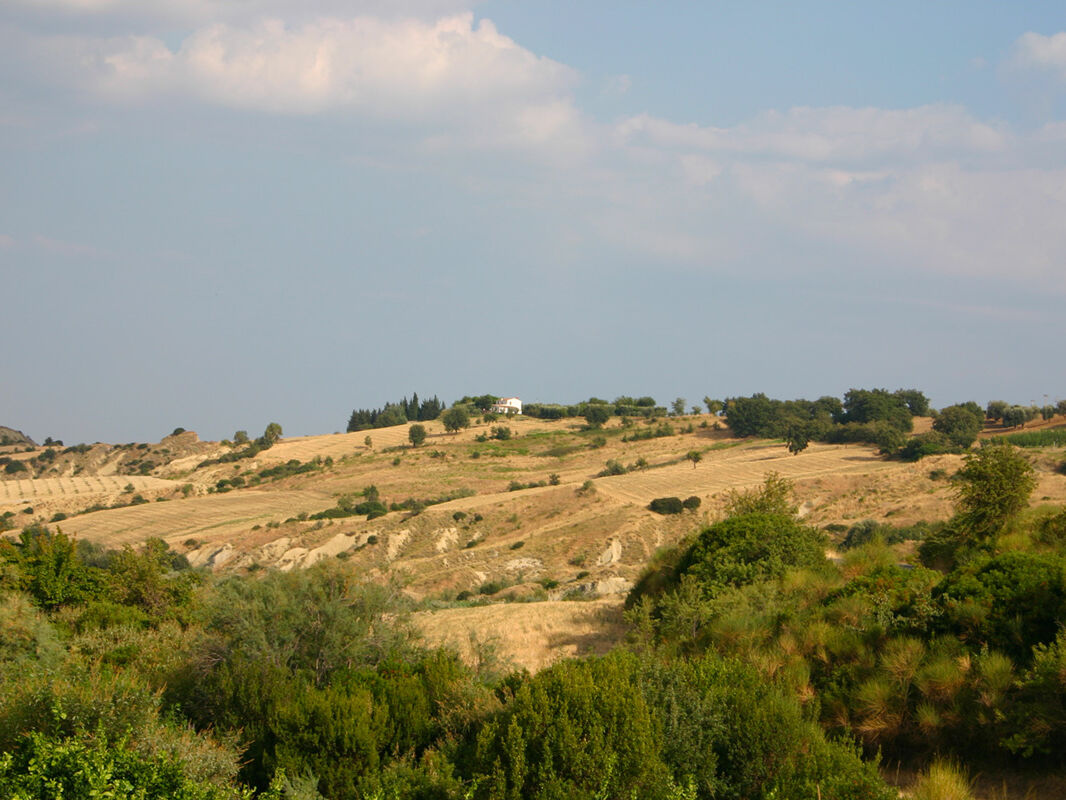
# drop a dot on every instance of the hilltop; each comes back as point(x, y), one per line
point(9, 437)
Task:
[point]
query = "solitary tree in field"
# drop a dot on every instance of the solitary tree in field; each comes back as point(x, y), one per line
point(454, 419)
point(678, 406)
point(596, 415)
point(695, 456)
point(417, 434)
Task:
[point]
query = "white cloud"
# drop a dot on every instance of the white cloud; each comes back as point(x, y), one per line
point(164, 13)
point(1044, 53)
point(931, 189)
point(829, 134)
point(451, 73)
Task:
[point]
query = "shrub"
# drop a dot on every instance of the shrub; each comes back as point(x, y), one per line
point(1009, 603)
point(943, 780)
point(691, 503)
point(613, 467)
point(775, 496)
point(927, 444)
point(666, 505)
point(577, 729)
point(750, 547)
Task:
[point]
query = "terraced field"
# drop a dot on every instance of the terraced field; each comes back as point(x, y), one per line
point(21, 491)
point(212, 518)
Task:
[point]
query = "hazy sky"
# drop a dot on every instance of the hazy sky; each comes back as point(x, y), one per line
point(219, 213)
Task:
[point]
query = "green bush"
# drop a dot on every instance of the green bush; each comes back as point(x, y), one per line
point(750, 547)
point(1011, 602)
point(927, 444)
point(580, 729)
point(666, 505)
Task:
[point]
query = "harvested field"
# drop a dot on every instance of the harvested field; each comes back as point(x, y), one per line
point(528, 635)
point(20, 491)
point(212, 518)
point(338, 445)
point(739, 468)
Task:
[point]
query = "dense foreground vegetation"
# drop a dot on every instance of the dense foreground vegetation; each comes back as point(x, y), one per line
point(756, 668)
point(126, 672)
point(962, 652)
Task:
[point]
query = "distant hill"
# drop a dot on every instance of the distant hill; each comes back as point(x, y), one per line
point(10, 436)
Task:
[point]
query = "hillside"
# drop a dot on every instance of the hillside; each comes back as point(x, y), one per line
point(529, 518)
point(11, 438)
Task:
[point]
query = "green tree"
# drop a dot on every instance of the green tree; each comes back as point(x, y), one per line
point(991, 489)
point(455, 418)
point(272, 434)
point(873, 405)
point(1014, 417)
point(241, 437)
point(417, 434)
point(678, 406)
point(51, 570)
point(596, 415)
point(797, 438)
point(960, 423)
point(713, 406)
point(995, 409)
point(695, 456)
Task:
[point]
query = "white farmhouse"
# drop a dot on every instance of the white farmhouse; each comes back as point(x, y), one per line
point(506, 405)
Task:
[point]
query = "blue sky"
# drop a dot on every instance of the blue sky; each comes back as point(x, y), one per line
point(218, 214)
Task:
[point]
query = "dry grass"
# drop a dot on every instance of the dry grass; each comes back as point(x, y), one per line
point(528, 635)
point(212, 518)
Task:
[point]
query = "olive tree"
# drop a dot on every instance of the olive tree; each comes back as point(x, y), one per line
point(455, 418)
point(596, 415)
point(417, 434)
